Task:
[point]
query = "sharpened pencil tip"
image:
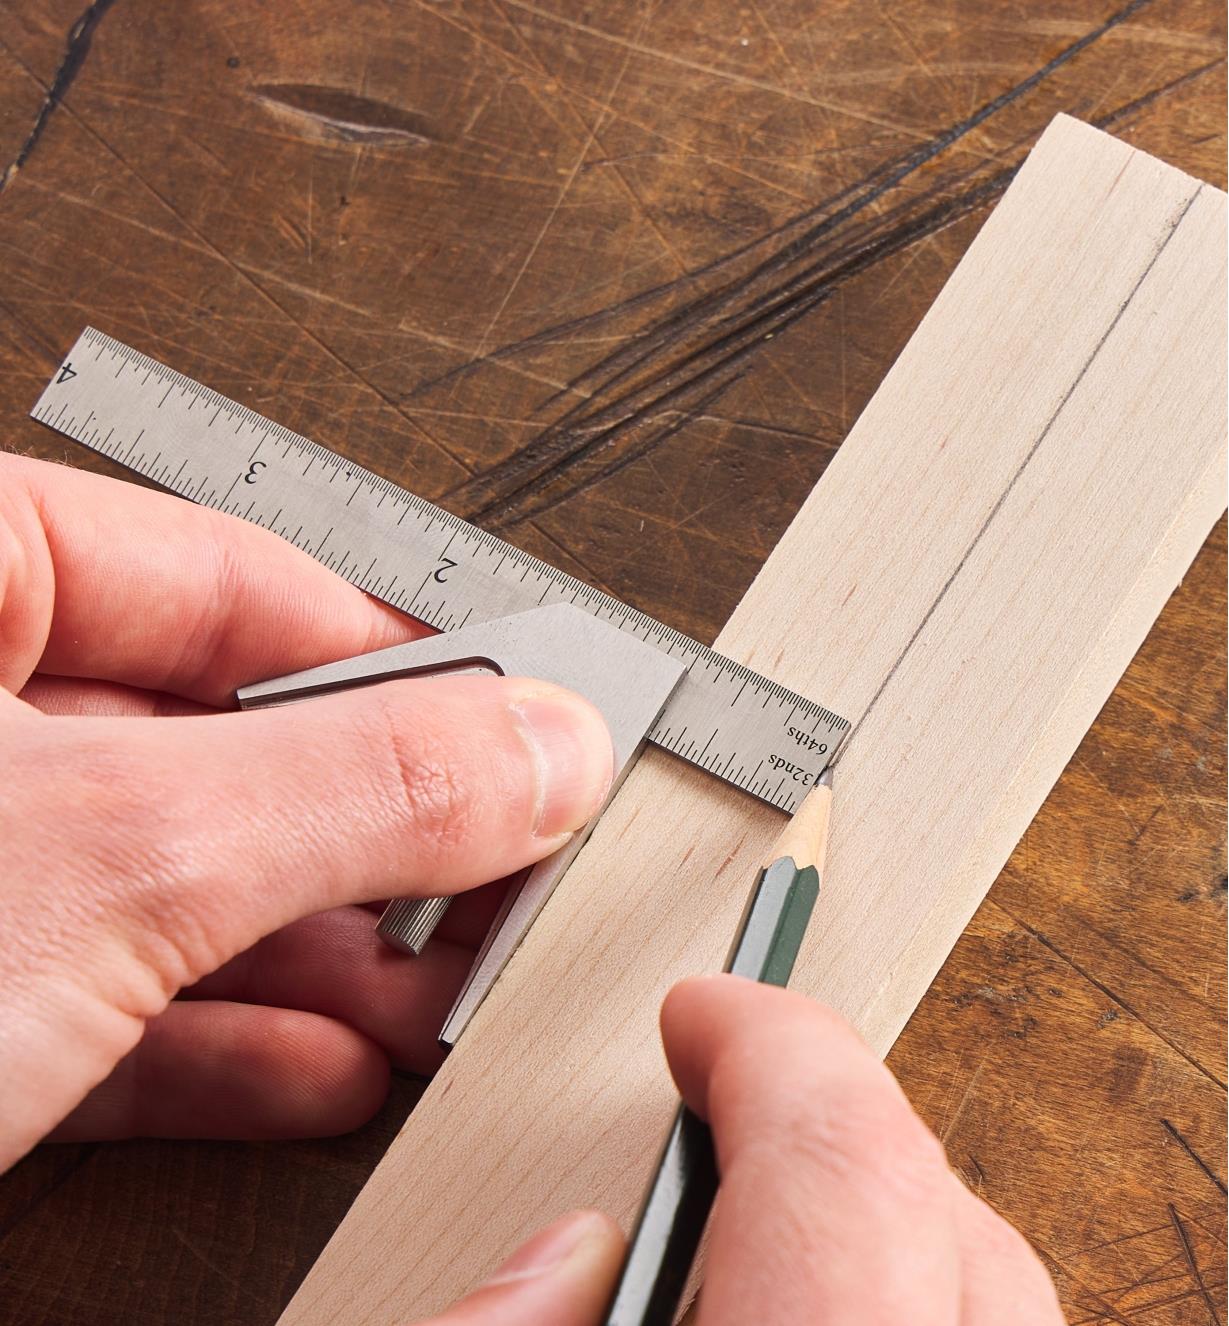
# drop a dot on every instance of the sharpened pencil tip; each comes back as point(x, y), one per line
point(806, 836)
point(825, 778)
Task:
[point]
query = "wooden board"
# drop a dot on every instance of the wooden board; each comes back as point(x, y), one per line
point(968, 581)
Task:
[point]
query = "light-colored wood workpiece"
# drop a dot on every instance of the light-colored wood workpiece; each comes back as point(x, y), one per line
point(966, 583)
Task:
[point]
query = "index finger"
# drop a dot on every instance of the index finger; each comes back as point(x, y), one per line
point(836, 1204)
point(100, 578)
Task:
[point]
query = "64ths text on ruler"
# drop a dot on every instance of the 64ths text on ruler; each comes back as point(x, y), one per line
point(736, 724)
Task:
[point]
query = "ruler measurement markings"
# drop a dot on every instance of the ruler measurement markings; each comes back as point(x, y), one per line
point(488, 578)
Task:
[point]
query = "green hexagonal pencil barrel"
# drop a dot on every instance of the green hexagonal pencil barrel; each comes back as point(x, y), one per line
point(680, 1195)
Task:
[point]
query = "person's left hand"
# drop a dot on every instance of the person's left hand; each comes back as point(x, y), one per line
point(150, 844)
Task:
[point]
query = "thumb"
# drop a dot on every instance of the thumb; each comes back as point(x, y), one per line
point(181, 841)
point(562, 1277)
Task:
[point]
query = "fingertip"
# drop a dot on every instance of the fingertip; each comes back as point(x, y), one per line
point(720, 1002)
point(732, 1036)
point(682, 1013)
point(693, 994)
point(212, 1068)
point(580, 1235)
point(562, 1276)
point(701, 1017)
point(330, 1077)
point(716, 1008)
point(571, 751)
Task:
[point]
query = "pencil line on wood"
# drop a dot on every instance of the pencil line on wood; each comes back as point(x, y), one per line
point(1003, 496)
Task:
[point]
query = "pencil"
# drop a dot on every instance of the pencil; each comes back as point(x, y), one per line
point(680, 1194)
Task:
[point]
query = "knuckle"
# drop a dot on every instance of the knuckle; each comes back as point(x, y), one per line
point(911, 1161)
point(132, 904)
point(1003, 1242)
point(429, 791)
point(850, 1121)
point(879, 1130)
point(26, 577)
point(205, 639)
point(1004, 1255)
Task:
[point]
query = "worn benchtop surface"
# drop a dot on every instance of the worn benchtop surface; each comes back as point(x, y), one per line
point(615, 281)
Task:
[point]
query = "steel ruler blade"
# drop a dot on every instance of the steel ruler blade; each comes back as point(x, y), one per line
point(401, 549)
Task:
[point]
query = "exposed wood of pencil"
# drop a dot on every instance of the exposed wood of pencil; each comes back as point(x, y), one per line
point(805, 837)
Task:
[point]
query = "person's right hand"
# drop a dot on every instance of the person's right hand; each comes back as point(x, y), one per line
point(836, 1208)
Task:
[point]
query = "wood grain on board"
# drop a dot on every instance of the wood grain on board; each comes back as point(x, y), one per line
point(967, 582)
point(617, 282)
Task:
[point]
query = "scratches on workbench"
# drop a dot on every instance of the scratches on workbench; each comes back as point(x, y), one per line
point(564, 190)
point(236, 1282)
point(1114, 20)
point(629, 403)
point(216, 252)
point(665, 424)
point(76, 1160)
point(954, 1116)
point(669, 365)
point(1075, 1287)
point(635, 45)
point(605, 111)
point(1114, 998)
point(760, 290)
point(866, 192)
point(861, 195)
point(76, 48)
point(1127, 110)
point(1128, 1278)
point(1207, 1169)
point(1188, 1254)
point(332, 112)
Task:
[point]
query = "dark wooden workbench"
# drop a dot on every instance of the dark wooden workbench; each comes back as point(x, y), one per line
point(615, 280)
